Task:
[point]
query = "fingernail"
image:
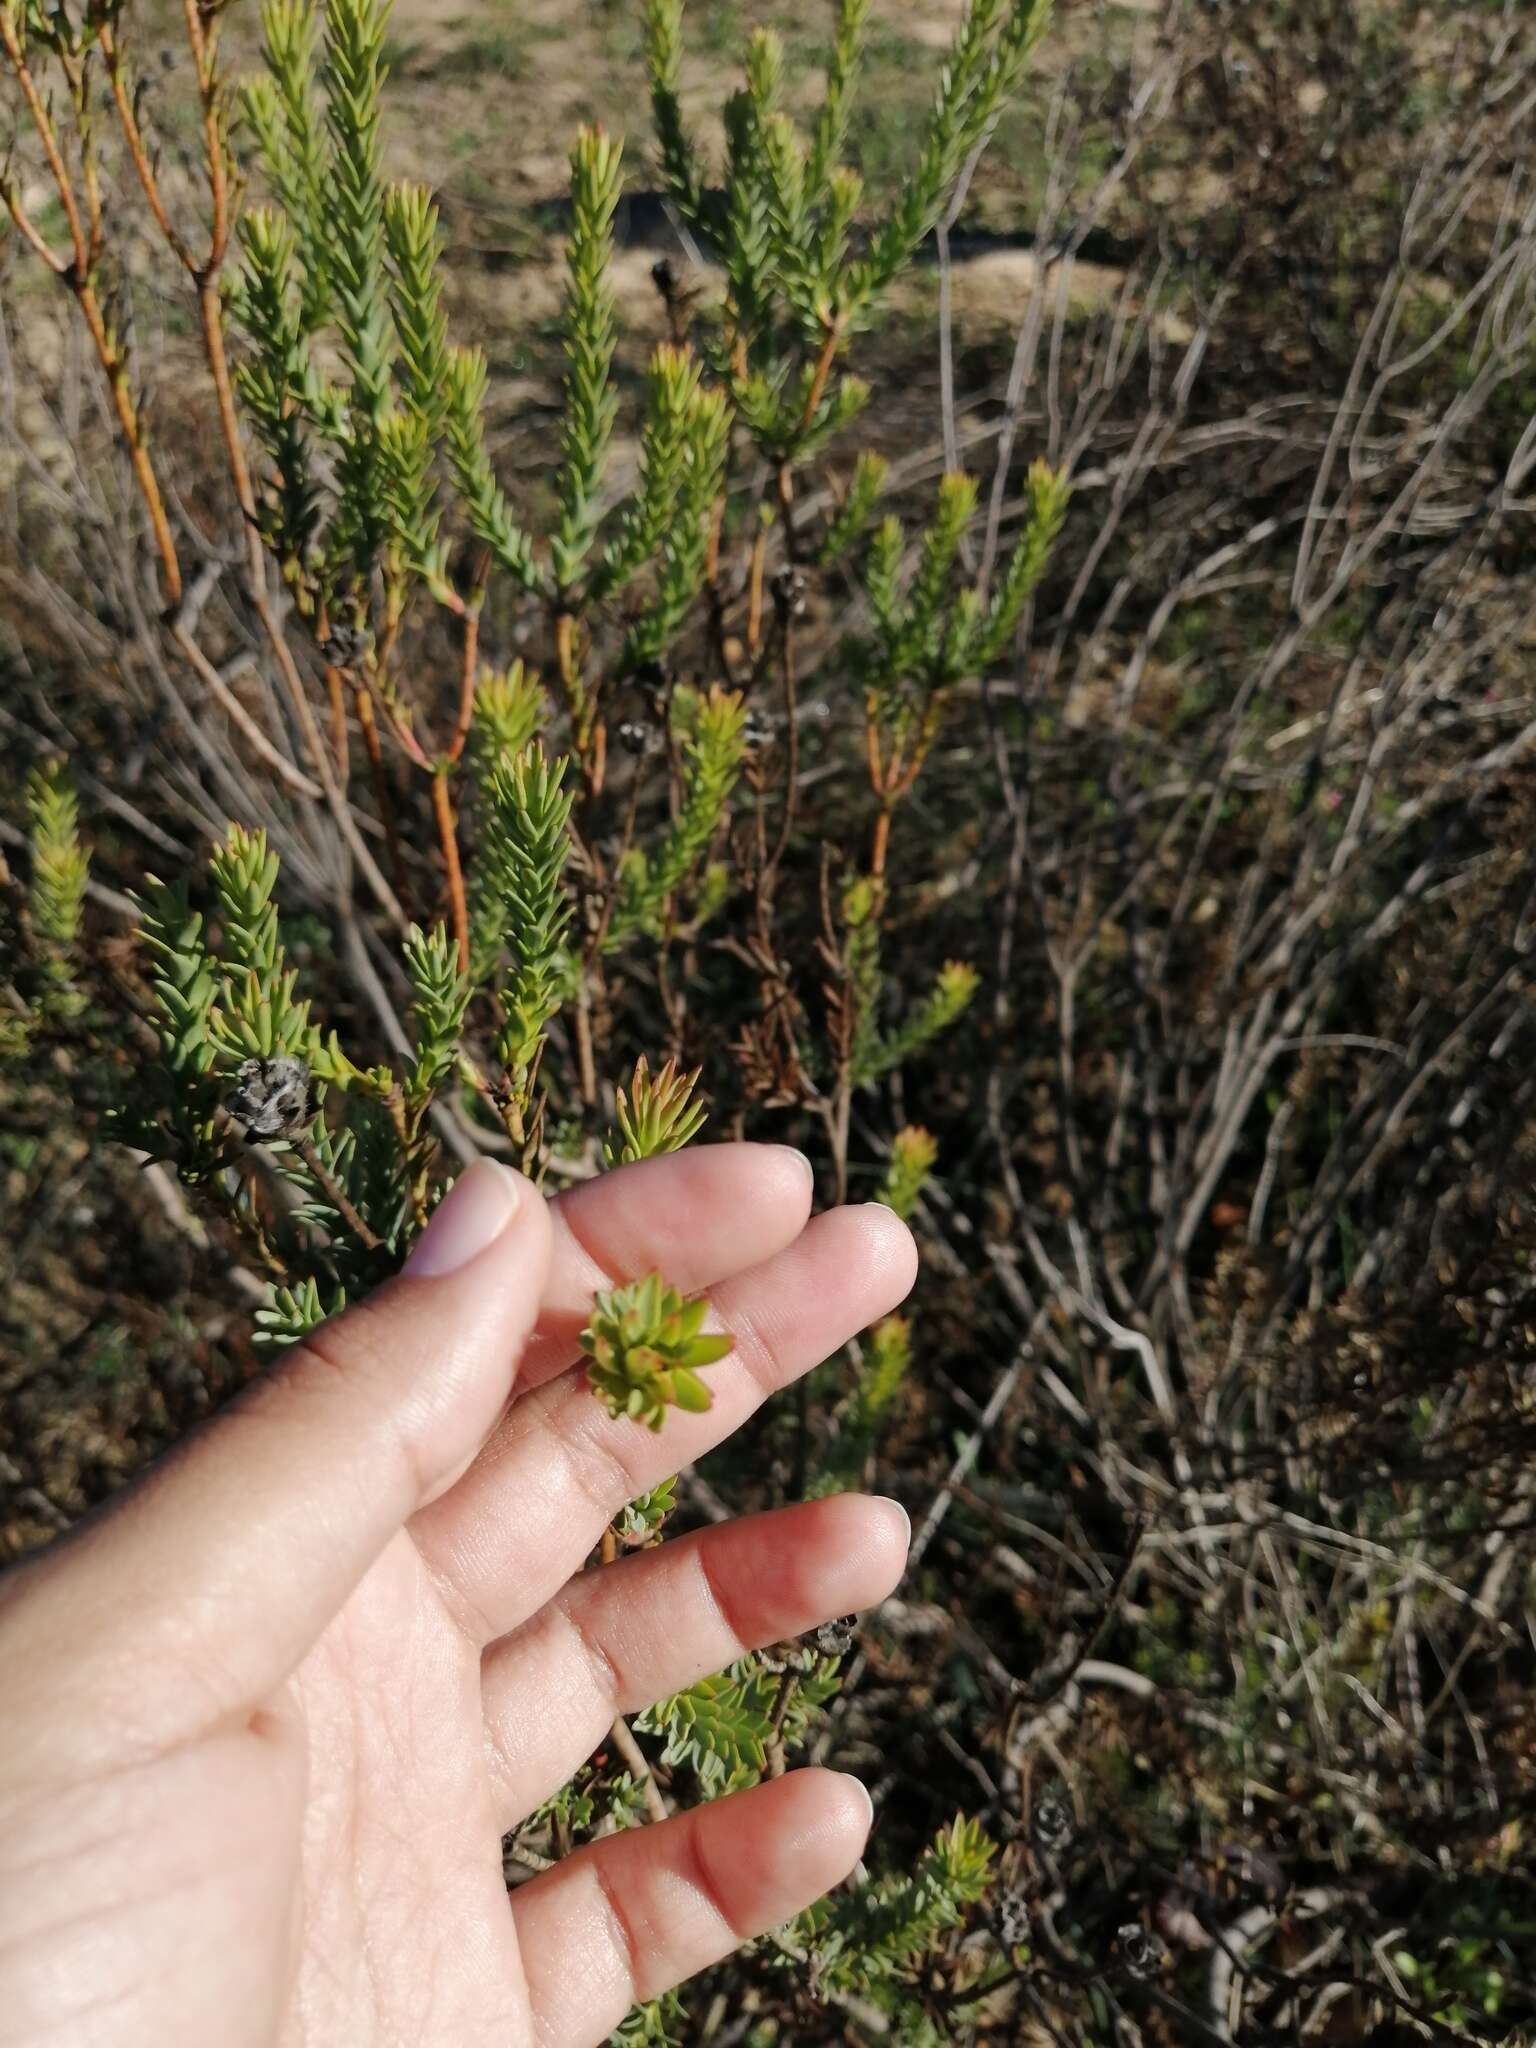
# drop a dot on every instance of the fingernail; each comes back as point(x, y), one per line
point(810, 1171)
point(473, 1214)
point(906, 1518)
point(881, 1205)
point(863, 1792)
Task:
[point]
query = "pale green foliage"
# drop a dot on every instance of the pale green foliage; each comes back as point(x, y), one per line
point(293, 1312)
point(887, 1361)
point(842, 75)
point(176, 1120)
point(990, 52)
point(259, 1014)
point(645, 1348)
point(922, 634)
point(926, 638)
point(354, 195)
point(441, 997)
point(509, 710)
point(278, 382)
point(60, 865)
point(182, 976)
point(241, 1059)
point(638, 1525)
point(421, 330)
point(684, 545)
point(655, 1114)
point(585, 1802)
point(1049, 492)
point(847, 526)
point(233, 1032)
point(590, 398)
point(712, 746)
point(340, 246)
point(574, 1806)
point(913, 1154)
point(794, 291)
point(954, 986)
point(283, 110)
point(884, 1363)
point(359, 1161)
point(664, 60)
point(861, 906)
point(656, 2025)
point(720, 1728)
point(672, 388)
point(870, 1940)
point(942, 627)
point(490, 515)
point(873, 1051)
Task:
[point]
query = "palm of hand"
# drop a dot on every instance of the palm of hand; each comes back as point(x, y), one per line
point(317, 1860)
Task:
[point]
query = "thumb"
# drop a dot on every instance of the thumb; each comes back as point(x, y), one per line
point(211, 1579)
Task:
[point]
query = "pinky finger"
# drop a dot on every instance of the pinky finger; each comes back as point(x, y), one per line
point(624, 1920)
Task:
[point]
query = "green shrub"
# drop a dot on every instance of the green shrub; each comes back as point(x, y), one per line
point(579, 847)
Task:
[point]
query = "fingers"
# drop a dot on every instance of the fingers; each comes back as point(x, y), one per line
point(624, 1920)
point(209, 1582)
point(629, 1633)
point(529, 1511)
point(697, 1216)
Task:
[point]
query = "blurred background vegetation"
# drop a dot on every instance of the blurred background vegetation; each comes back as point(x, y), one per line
point(1219, 1432)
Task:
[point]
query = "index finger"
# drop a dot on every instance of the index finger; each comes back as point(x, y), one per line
point(697, 1217)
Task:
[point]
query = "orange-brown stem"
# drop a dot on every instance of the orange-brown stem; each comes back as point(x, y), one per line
point(362, 700)
point(203, 35)
point(133, 135)
point(336, 1194)
point(881, 843)
point(872, 750)
point(755, 592)
point(565, 660)
point(468, 676)
point(823, 369)
point(59, 265)
point(337, 695)
point(788, 681)
point(79, 278)
point(42, 120)
point(448, 839)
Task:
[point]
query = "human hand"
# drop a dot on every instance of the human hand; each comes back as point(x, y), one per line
point(266, 1719)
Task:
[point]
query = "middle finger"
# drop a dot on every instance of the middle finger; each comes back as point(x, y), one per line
point(530, 1509)
point(623, 1635)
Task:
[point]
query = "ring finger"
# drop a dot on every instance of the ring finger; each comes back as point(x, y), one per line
point(624, 1635)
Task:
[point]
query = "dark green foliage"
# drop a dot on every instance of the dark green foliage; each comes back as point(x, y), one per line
point(283, 110)
point(526, 847)
point(721, 1728)
point(590, 399)
point(869, 1939)
point(353, 68)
